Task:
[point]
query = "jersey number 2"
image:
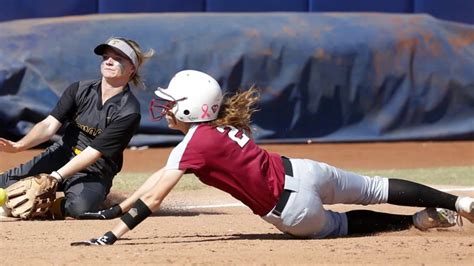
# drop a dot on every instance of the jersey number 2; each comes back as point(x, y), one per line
point(241, 141)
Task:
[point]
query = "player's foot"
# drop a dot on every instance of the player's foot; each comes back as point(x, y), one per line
point(465, 208)
point(434, 218)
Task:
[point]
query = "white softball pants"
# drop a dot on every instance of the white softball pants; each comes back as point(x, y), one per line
point(314, 184)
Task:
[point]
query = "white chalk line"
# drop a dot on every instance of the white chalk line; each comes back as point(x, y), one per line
point(213, 206)
point(457, 189)
point(239, 204)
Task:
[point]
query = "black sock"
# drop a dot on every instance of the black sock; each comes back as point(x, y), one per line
point(369, 222)
point(407, 193)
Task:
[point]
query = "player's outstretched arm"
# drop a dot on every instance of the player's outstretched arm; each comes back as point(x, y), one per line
point(40, 133)
point(147, 186)
point(141, 209)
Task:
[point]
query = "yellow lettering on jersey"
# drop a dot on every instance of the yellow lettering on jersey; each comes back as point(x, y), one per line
point(89, 130)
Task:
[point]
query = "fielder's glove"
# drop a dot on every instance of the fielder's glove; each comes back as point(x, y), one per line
point(110, 213)
point(107, 239)
point(32, 197)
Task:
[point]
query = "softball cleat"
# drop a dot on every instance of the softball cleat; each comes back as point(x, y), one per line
point(434, 218)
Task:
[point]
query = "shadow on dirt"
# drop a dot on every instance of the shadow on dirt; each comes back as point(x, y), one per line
point(202, 239)
point(183, 212)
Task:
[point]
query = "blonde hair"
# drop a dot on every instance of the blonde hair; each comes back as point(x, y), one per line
point(142, 57)
point(238, 109)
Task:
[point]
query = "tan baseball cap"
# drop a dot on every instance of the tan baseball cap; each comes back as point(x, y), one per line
point(120, 45)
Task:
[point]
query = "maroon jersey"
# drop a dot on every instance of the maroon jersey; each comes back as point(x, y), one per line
point(227, 159)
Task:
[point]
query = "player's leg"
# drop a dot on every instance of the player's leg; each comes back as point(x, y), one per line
point(83, 193)
point(351, 188)
point(339, 186)
point(407, 193)
point(336, 186)
point(368, 222)
point(305, 216)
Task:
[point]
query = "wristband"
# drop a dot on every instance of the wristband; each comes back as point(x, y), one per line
point(109, 238)
point(57, 176)
point(136, 214)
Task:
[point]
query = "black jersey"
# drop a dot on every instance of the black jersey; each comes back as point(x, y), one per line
point(107, 128)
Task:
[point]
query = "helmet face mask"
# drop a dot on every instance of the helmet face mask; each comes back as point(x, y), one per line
point(159, 108)
point(192, 96)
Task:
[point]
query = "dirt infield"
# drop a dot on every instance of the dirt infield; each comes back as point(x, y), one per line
point(187, 231)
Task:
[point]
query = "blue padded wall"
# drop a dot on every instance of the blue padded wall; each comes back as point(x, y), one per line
point(454, 10)
point(137, 6)
point(388, 6)
point(323, 76)
point(257, 5)
point(21, 9)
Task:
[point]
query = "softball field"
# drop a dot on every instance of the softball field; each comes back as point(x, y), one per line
point(206, 226)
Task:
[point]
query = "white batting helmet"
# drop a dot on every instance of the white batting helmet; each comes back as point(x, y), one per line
point(192, 96)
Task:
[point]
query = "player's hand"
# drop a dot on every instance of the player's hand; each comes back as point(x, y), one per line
point(8, 146)
point(110, 213)
point(107, 239)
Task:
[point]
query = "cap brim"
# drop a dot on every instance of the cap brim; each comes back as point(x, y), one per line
point(99, 50)
point(119, 46)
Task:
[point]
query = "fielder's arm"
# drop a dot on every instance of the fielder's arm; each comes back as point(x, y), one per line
point(40, 133)
point(81, 161)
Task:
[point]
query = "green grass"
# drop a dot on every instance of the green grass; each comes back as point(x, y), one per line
point(131, 181)
point(458, 176)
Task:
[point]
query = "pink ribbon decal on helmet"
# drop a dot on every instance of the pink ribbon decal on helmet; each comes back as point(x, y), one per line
point(205, 111)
